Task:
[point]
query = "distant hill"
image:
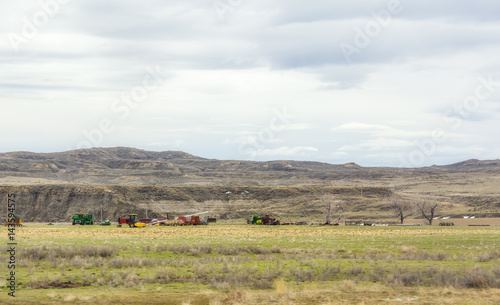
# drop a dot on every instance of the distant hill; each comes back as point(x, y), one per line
point(123, 165)
point(474, 163)
point(97, 154)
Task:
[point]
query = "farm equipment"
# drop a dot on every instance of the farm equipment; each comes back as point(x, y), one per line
point(83, 219)
point(256, 220)
point(266, 220)
point(186, 220)
point(195, 219)
point(105, 223)
point(192, 219)
point(14, 221)
point(131, 221)
point(189, 220)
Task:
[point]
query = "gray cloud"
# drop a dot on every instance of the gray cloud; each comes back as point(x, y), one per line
point(262, 56)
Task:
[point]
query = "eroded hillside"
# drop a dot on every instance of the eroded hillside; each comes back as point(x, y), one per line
point(52, 187)
point(58, 202)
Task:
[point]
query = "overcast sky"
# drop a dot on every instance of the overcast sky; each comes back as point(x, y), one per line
point(379, 83)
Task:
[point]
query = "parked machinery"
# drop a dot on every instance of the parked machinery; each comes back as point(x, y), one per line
point(193, 219)
point(266, 220)
point(105, 223)
point(15, 221)
point(189, 220)
point(255, 220)
point(83, 219)
point(132, 221)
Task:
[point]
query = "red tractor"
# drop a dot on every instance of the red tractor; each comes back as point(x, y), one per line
point(131, 221)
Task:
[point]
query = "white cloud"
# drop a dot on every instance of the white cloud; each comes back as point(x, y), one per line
point(226, 78)
point(299, 126)
point(167, 145)
point(380, 130)
point(339, 154)
point(378, 144)
point(285, 152)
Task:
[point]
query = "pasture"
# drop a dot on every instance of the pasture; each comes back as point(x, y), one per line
point(245, 264)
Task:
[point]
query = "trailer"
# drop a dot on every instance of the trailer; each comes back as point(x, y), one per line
point(185, 220)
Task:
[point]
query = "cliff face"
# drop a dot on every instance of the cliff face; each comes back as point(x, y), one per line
point(57, 203)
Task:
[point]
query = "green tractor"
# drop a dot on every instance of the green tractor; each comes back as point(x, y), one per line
point(266, 220)
point(256, 220)
point(83, 219)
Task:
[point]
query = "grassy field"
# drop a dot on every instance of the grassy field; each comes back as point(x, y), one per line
point(243, 264)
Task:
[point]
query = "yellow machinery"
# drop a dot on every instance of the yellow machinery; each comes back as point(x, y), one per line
point(131, 221)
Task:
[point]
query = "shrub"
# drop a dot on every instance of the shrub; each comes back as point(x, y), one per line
point(486, 257)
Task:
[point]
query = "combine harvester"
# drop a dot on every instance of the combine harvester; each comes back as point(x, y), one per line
point(82, 219)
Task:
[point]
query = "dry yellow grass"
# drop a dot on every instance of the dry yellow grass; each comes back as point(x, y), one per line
point(323, 294)
point(251, 231)
point(470, 221)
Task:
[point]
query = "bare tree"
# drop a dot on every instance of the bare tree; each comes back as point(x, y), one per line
point(330, 203)
point(427, 208)
point(400, 207)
